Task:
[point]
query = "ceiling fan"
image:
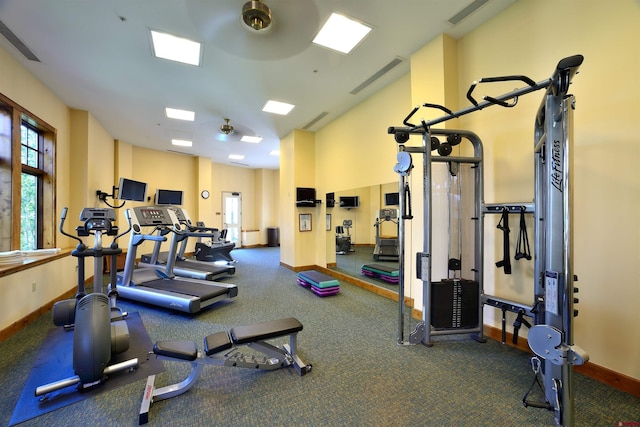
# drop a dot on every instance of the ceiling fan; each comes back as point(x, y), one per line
point(226, 128)
point(228, 132)
point(257, 29)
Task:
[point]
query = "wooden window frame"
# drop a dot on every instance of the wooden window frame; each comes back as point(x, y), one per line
point(12, 116)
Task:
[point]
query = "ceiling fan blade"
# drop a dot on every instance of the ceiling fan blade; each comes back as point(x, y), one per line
point(219, 23)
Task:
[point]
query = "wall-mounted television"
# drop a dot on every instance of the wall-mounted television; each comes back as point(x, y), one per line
point(168, 197)
point(129, 189)
point(331, 200)
point(392, 199)
point(305, 196)
point(349, 202)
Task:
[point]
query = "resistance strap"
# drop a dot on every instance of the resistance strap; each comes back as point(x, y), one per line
point(520, 320)
point(504, 226)
point(406, 200)
point(535, 366)
point(522, 247)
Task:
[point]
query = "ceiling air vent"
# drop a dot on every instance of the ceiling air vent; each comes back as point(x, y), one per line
point(314, 121)
point(384, 70)
point(475, 5)
point(17, 43)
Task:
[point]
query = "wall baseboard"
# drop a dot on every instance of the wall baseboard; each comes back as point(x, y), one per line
point(19, 325)
point(599, 373)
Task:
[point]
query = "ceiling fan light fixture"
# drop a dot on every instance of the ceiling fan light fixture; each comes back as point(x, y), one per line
point(226, 128)
point(256, 15)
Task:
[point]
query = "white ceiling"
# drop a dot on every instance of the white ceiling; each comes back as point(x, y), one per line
point(96, 56)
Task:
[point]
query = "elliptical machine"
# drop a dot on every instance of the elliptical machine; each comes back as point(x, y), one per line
point(99, 330)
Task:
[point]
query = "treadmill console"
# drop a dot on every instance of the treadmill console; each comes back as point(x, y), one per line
point(388, 214)
point(181, 214)
point(153, 216)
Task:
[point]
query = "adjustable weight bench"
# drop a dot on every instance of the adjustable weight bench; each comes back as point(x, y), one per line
point(253, 336)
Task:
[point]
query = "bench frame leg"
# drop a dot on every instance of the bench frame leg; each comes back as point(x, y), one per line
point(276, 358)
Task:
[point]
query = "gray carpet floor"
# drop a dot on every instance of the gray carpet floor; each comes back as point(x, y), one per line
point(360, 376)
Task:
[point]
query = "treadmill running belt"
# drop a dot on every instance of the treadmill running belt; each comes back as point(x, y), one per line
point(203, 291)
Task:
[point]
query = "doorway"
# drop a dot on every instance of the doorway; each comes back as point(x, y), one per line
point(232, 216)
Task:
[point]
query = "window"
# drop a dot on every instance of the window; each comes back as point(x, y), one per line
point(30, 181)
point(27, 165)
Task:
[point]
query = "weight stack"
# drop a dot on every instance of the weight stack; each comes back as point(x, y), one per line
point(454, 304)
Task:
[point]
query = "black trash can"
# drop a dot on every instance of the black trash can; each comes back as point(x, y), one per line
point(272, 236)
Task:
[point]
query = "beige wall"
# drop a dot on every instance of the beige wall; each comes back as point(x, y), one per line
point(297, 169)
point(18, 295)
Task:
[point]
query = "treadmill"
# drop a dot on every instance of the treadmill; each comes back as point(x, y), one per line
point(186, 267)
point(158, 285)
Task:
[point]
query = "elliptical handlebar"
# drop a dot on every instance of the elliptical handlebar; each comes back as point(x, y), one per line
point(63, 217)
point(127, 215)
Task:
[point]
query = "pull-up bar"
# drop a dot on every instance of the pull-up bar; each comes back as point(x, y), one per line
point(558, 83)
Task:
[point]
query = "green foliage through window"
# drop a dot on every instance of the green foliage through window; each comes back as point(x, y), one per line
point(30, 179)
point(29, 213)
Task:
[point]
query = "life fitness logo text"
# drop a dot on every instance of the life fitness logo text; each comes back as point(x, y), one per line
point(556, 166)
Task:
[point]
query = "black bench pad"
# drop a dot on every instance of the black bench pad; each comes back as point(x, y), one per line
point(185, 350)
point(265, 331)
point(215, 343)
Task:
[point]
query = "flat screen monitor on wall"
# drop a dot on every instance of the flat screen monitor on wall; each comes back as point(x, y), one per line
point(129, 189)
point(331, 200)
point(349, 201)
point(305, 196)
point(168, 197)
point(392, 199)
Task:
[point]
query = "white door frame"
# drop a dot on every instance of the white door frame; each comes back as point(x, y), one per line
point(234, 228)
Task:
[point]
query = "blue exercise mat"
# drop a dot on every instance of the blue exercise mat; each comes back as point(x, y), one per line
point(54, 362)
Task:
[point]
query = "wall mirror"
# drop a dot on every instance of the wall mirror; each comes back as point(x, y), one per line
point(359, 230)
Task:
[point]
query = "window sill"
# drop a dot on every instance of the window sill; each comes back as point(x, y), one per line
point(32, 261)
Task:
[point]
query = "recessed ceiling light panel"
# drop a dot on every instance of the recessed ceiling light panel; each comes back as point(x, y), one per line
point(182, 142)
point(341, 33)
point(251, 139)
point(277, 107)
point(236, 156)
point(174, 113)
point(174, 48)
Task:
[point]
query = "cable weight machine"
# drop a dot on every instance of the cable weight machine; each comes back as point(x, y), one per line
point(552, 309)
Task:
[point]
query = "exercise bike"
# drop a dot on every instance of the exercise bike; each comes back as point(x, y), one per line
point(99, 331)
point(343, 241)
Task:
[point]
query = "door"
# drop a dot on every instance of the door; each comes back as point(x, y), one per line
point(232, 216)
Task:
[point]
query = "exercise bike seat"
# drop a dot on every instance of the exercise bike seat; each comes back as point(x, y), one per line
point(184, 350)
